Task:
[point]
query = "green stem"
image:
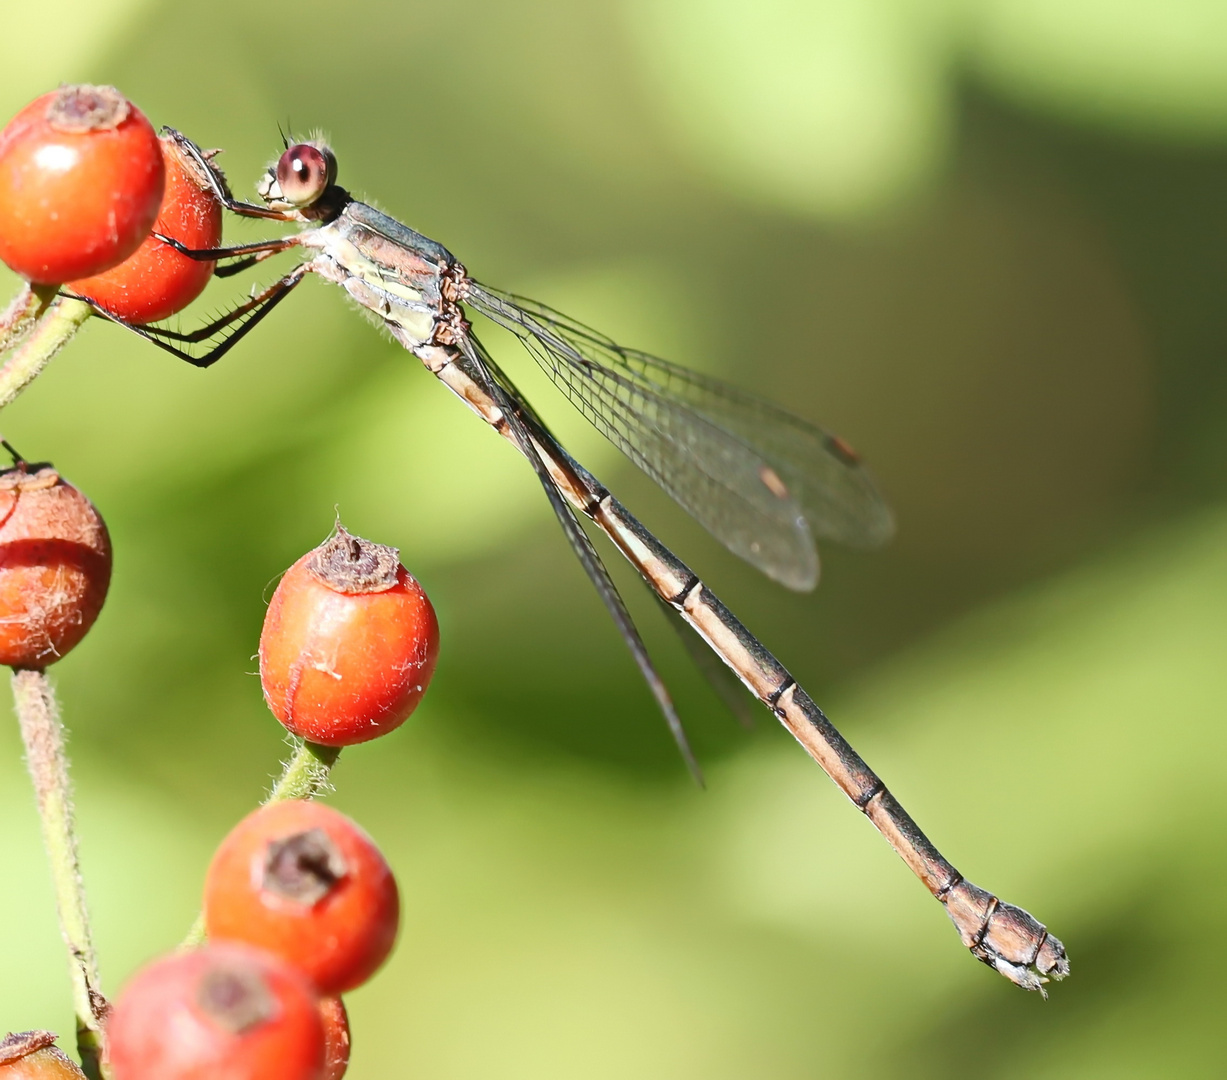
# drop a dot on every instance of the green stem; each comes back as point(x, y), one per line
point(23, 309)
point(306, 773)
point(304, 776)
point(63, 318)
point(48, 764)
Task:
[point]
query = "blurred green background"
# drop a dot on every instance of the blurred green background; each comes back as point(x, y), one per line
point(984, 240)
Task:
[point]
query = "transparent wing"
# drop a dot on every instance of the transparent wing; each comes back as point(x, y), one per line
point(762, 481)
point(522, 418)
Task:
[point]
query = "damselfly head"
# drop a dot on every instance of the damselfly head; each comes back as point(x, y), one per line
point(300, 176)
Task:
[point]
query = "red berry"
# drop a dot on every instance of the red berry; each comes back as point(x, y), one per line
point(32, 1055)
point(81, 179)
point(55, 566)
point(224, 1010)
point(305, 882)
point(157, 281)
point(349, 643)
point(336, 1038)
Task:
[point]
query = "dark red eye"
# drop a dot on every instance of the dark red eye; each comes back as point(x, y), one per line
point(305, 172)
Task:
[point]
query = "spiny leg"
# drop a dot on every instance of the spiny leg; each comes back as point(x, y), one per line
point(217, 182)
point(230, 269)
point(252, 253)
point(247, 315)
point(221, 190)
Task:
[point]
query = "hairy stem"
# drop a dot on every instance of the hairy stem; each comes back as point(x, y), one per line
point(306, 773)
point(23, 309)
point(62, 319)
point(43, 735)
point(304, 776)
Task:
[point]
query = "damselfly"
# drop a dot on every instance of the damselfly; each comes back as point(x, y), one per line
point(764, 482)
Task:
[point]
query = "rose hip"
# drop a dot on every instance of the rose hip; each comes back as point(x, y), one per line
point(349, 643)
point(55, 566)
point(305, 882)
point(224, 1010)
point(81, 181)
point(157, 281)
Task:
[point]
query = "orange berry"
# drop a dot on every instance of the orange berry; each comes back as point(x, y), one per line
point(157, 281)
point(224, 1010)
point(303, 881)
point(81, 180)
point(55, 566)
point(349, 643)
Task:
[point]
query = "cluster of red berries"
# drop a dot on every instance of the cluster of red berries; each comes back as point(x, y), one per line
point(299, 904)
point(84, 181)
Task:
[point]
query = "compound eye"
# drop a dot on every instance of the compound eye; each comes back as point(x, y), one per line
point(304, 173)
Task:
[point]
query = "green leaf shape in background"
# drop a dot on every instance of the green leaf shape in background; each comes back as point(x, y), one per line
point(827, 108)
point(35, 53)
point(841, 109)
point(1149, 67)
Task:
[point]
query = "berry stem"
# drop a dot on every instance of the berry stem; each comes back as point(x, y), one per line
point(62, 319)
point(306, 773)
point(23, 309)
point(43, 734)
point(304, 776)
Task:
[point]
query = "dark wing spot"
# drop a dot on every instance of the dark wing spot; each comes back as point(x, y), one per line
point(842, 450)
point(771, 479)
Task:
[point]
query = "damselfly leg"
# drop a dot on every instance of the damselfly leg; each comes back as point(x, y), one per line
point(243, 317)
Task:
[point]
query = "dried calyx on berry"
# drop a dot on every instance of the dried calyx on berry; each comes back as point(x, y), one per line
point(350, 564)
point(33, 1055)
